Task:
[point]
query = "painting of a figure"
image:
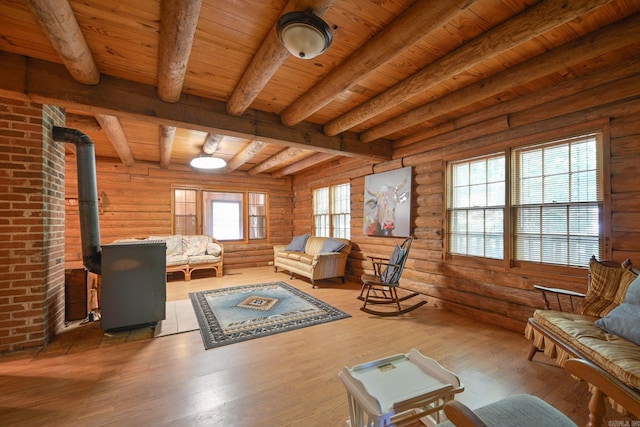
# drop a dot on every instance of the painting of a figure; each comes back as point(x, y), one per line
point(387, 203)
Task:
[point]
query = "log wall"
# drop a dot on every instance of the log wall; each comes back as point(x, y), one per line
point(136, 202)
point(498, 292)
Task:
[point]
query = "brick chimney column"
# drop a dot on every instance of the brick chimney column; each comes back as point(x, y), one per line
point(32, 173)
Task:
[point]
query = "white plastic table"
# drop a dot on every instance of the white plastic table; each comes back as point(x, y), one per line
point(398, 390)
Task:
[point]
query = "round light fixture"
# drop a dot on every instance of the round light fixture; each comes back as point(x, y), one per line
point(304, 34)
point(208, 162)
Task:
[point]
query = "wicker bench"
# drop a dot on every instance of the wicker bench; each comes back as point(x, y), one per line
point(187, 253)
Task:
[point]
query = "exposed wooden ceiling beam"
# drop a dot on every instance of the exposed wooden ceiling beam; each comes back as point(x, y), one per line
point(247, 153)
point(167, 135)
point(538, 19)
point(416, 22)
point(275, 160)
point(178, 22)
point(267, 60)
point(311, 161)
point(61, 28)
point(82, 122)
point(115, 133)
point(211, 143)
point(48, 83)
point(615, 36)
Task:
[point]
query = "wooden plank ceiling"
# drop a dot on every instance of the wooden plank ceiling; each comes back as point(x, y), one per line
point(154, 80)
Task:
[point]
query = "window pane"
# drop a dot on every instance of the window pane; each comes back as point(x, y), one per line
point(460, 221)
point(476, 245)
point(478, 172)
point(584, 220)
point(556, 189)
point(478, 195)
point(495, 169)
point(461, 197)
point(554, 220)
point(495, 194)
point(494, 221)
point(475, 220)
point(529, 220)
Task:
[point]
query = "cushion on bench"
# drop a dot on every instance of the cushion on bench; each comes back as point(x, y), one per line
point(607, 287)
point(616, 355)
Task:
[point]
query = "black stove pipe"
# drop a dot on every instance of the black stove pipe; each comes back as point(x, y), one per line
point(87, 195)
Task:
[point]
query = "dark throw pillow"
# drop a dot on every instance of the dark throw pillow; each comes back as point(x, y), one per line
point(391, 274)
point(298, 243)
point(332, 245)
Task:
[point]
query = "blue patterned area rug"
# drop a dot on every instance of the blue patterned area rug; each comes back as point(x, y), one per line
point(241, 313)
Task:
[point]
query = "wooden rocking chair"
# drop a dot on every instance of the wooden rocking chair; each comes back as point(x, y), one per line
point(381, 287)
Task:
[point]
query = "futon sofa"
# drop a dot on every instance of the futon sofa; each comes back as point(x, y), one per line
point(313, 257)
point(187, 253)
point(604, 329)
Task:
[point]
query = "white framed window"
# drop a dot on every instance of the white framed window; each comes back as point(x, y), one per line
point(549, 210)
point(332, 211)
point(225, 215)
point(477, 206)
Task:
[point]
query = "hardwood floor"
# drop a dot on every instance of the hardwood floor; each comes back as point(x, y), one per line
point(86, 377)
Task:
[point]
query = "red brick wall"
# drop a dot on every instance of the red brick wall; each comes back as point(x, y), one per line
point(31, 225)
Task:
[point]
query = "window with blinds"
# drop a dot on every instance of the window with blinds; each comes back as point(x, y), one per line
point(556, 200)
point(332, 211)
point(544, 200)
point(476, 206)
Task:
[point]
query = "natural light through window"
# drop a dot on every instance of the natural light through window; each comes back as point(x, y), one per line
point(477, 203)
point(226, 220)
point(556, 201)
point(553, 210)
point(224, 215)
point(332, 211)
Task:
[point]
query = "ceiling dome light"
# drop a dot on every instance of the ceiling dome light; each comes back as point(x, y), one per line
point(208, 162)
point(304, 34)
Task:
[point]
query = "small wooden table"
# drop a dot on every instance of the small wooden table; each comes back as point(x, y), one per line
point(398, 390)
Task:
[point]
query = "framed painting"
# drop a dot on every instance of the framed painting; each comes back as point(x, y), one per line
point(387, 203)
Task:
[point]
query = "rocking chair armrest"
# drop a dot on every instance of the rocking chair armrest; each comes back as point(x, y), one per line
point(558, 292)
